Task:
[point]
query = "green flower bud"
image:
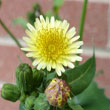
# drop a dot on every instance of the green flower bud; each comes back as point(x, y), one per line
point(10, 92)
point(35, 93)
point(24, 78)
point(57, 92)
point(29, 103)
point(37, 77)
point(23, 97)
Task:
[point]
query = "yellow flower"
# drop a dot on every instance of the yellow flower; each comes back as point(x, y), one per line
point(52, 45)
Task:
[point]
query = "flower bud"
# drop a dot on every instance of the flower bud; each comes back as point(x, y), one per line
point(10, 92)
point(23, 97)
point(24, 78)
point(34, 93)
point(37, 77)
point(29, 103)
point(57, 92)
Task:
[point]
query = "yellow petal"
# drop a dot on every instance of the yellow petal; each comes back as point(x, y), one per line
point(71, 32)
point(30, 27)
point(47, 20)
point(37, 24)
point(48, 67)
point(65, 25)
point(36, 62)
point(42, 19)
point(26, 49)
point(52, 21)
point(58, 71)
point(70, 65)
point(74, 39)
point(30, 55)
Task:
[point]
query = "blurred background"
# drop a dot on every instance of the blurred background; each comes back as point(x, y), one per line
point(97, 30)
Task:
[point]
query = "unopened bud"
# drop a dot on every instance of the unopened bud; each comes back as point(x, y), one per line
point(10, 92)
point(37, 77)
point(24, 78)
point(57, 92)
point(29, 103)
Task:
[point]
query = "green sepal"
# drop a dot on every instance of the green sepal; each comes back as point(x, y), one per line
point(10, 92)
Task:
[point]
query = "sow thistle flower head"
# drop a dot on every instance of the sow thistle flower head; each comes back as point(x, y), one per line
point(57, 92)
point(52, 45)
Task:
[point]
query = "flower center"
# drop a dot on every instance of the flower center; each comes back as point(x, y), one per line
point(51, 48)
point(51, 43)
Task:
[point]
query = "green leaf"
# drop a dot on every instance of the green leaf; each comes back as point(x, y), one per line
point(41, 103)
point(21, 106)
point(73, 106)
point(56, 6)
point(58, 3)
point(49, 14)
point(36, 7)
point(20, 21)
point(50, 76)
point(34, 13)
point(80, 77)
point(93, 98)
point(31, 17)
point(57, 17)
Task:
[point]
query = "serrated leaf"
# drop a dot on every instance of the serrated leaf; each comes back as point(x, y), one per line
point(20, 21)
point(41, 103)
point(93, 98)
point(80, 77)
point(73, 106)
point(21, 106)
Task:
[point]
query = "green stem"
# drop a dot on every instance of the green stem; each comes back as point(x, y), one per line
point(82, 21)
point(11, 35)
